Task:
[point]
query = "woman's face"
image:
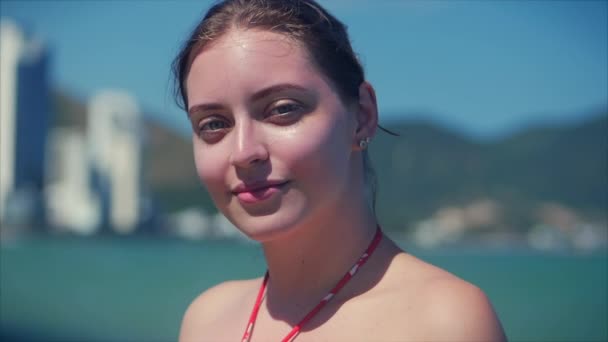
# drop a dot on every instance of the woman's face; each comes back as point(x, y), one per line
point(273, 142)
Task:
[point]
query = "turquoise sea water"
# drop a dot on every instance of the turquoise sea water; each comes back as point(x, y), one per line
point(54, 289)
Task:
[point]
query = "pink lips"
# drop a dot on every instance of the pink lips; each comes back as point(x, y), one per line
point(257, 191)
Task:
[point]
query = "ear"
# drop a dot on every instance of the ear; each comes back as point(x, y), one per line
point(367, 114)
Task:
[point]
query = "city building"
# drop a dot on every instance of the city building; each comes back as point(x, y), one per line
point(72, 205)
point(25, 113)
point(94, 175)
point(114, 130)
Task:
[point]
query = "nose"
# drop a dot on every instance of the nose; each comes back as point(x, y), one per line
point(249, 147)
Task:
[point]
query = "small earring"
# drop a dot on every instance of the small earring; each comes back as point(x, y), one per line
point(363, 143)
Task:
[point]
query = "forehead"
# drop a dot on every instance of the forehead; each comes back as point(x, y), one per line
point(249, 58)
point(253, 40)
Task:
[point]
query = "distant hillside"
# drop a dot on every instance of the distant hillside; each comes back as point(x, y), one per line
point(426, 168)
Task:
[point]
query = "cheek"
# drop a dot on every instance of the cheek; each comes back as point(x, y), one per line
point(320, 152)
point(209, 167)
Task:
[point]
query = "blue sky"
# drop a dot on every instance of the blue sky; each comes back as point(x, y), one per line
point(482, 67)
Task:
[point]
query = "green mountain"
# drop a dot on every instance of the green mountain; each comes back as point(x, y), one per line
point(429, 167)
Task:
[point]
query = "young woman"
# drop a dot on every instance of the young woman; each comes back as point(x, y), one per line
point(281, 117)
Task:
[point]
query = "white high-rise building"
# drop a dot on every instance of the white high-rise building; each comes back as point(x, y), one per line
point(24, 120)
point(114, 141)
point(71, 203)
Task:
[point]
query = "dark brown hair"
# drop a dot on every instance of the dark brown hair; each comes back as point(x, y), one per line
point(322, 35)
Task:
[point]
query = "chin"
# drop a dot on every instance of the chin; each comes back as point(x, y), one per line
point(268, 226)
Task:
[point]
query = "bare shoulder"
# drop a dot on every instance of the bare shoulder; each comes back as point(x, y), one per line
point(445, 307)
point(458, 310)
point(212, 305)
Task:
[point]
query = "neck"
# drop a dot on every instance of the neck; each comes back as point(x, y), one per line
point(306, 264)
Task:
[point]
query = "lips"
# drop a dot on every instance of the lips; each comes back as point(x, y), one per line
point(256, 192)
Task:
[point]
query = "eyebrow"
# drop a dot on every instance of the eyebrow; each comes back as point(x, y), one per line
point(255, 97)
point(204, 107)
point(276, 89)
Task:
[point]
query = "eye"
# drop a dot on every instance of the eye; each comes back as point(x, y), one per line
point(212, 130)
point(214, 125)
point(285, 108)
point(284, 113)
